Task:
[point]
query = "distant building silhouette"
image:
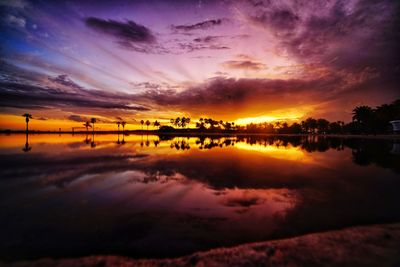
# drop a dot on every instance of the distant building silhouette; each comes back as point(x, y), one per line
point(396, 126)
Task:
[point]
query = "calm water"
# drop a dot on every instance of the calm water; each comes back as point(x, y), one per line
point(67, 196)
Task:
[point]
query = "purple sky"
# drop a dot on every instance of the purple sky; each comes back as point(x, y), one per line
point(223, 59)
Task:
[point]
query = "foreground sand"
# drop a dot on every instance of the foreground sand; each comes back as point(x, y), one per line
point(377, 245)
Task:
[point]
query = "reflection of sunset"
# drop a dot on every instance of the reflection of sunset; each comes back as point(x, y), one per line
point(278, 152)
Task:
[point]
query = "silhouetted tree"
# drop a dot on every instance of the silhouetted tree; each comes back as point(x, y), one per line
point(322, 126)
point(147, 124)
point(363, 116)
point(142, 122)
point(156, 124)
point(27, 117)
point(93, 121)
point(311, 124)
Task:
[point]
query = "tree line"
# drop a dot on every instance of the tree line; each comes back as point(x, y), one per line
point(365, 120)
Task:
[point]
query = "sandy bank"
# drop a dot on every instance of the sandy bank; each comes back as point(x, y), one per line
point(377, 245)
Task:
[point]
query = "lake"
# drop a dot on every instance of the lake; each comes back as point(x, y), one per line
point(161, 196)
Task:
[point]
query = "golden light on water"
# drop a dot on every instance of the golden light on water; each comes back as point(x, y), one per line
point(278, 152)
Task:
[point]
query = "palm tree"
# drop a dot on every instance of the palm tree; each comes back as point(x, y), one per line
point(187, 121)
point(142, 122)
point(93, 121)
point(177, 122)
point(156, 124)
point(27, 117)
point(147, 124)
point(183, 122)
point(362, 114)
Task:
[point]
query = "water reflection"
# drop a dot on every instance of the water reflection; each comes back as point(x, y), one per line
point(27, 147)
point(162, 196)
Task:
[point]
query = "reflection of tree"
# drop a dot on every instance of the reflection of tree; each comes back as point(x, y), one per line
point(180, 145)
point(374, 151)
point(87, 140)
point(27, 147)
point(204, 143)
point(156, 142)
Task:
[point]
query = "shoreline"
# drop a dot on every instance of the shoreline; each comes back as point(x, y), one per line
point(373, 245)
point(205, 134)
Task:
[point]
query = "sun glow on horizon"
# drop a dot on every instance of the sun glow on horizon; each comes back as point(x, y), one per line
point(268, 118)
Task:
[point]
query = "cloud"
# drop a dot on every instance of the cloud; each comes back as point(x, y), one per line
point(342, 34)
point(332, 95)
point(128, 31)
point(129, 35)
point(228, 96)
point(357, 41)
point(207, 39)
point(244, 202)
point(77, 118)
point(244, 64)
point(64, 80)
point(15, 21)
point(208, 42)
point(198, 26)
point(58, 92)
point(190, 47)
point(14, 3)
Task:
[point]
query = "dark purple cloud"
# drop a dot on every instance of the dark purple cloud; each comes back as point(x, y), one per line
point(30, 92)
point(239, 93)
point(198, 26)
point(64, 80)
point(340, 34)
point(190, 47)
point(129, 35)
point(78, 118)
point(207, 39)
point(128, 31)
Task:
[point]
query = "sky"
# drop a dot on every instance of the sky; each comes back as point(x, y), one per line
point(252, 60)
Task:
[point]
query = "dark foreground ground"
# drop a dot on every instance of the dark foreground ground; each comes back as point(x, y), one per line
point(377, 245)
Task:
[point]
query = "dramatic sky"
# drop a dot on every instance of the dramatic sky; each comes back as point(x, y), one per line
point(67, 61)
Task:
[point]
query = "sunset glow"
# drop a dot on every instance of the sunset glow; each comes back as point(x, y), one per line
point(242, 61)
